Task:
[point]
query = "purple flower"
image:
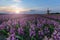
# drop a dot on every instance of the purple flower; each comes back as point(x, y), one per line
point(32, 32)
point(2, 27)
point(55, 32)
point(12, 30)
point(32, 25)
point(14, 23)
point(39, 25)
point(40, 32)
point(12, 36)
point(22, 23)
point(58, 35)
point(9, 22)
point(20, 31)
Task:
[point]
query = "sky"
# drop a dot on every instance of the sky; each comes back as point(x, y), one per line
point(24, 5)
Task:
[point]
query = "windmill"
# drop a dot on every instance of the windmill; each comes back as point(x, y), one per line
point(48, 11)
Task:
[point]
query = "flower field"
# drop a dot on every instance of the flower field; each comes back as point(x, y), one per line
point(29, 27)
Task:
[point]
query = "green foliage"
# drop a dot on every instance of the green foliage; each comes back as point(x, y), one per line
point(19, 37)
point(3, 34)
point(17, 26)
point(32, 38)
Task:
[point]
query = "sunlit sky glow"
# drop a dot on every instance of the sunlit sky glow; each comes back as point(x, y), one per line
point(24, 5)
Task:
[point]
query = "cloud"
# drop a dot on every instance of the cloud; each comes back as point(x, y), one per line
point(11, 8)
point(17, 0)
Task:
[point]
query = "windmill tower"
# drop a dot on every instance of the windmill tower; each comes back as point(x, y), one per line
point(48, 11)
